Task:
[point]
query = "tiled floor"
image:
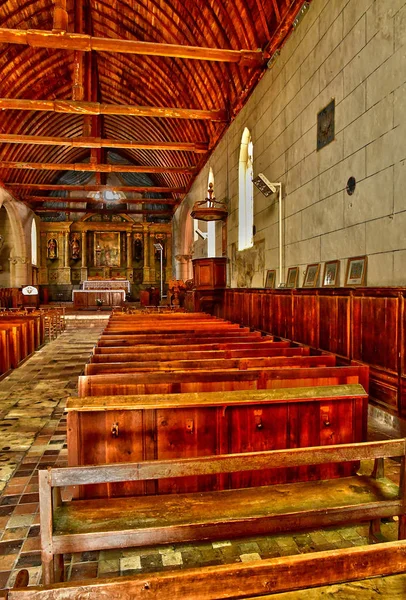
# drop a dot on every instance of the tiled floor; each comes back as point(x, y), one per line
point(33, 435)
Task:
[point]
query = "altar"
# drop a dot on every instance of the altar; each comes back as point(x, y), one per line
point(110, 284)
point(95, 299)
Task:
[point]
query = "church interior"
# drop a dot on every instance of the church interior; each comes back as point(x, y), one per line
point(202, 299)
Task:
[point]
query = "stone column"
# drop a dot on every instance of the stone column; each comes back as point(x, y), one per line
point(66, 254)
point(83, 270)
point(182, 266)
point(129, 249)
point(20, 271)
point(168, 248)
point(147, 257)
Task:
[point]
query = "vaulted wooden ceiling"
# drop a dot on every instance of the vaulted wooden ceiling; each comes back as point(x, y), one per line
point(131, 94)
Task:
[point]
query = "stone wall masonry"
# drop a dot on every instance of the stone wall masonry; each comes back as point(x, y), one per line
point(355, 52)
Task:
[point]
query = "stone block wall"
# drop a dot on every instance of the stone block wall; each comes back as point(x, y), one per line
point(355, 52)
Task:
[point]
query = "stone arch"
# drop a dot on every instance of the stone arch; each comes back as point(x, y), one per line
point(18, 239)
point(183, 244)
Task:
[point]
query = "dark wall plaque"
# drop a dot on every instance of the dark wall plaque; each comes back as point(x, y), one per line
point(325, 125)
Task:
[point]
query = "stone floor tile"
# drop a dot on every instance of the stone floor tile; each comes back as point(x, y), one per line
point(250, 557)
point(130, 563)
point(171, 558)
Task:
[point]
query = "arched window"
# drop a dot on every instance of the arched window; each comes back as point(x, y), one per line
point(246, 193)
point(33, 243)
point(211, 226)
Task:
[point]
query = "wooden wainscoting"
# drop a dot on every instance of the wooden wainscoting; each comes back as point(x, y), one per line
point(362, 324)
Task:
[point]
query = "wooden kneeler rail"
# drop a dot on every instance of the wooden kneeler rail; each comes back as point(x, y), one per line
point(240, 580)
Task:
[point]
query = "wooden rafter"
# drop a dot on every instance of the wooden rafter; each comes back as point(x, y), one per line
point(107, 211)
point(95, 142)
point(57, 199)
point(95, 168)
point(86, 43)
point(276, 9)
point(99, 108)
point(94, 188)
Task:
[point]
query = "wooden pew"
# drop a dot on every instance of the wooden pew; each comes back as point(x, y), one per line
point(238, 580)
point(5, 358)
point(212, 364)
point(181, 346)
point(88, 525)
point(200, 380)
point(104, 429)
point(15, 338)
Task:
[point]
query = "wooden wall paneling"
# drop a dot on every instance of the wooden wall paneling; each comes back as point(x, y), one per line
point(256, 428)
point(402, 354)
point(337, 427)
point(304, 431)
point(126, 446)
point(305, 321)
point(365, 324)
point(281, 317)
point(375, 327)
point(184, 433)
point(93, 449)
point(375, 340)
point(335, 321)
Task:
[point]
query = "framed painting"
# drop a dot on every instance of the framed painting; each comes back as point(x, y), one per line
point(293, 275)
point(311, 275)
point(331, 273)
point(356, 271)
point(270, 278)
point(107, 249)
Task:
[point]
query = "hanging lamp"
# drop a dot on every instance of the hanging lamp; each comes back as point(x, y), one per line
point(210, 209)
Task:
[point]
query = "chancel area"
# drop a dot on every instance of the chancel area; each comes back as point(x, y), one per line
point(202, 299)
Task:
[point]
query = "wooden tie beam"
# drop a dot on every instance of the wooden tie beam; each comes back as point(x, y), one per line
point(98, 108)
point(87, 43)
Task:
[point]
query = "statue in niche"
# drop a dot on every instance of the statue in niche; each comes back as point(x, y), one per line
point(52, 249)
point(138, 250)
point(75, 247)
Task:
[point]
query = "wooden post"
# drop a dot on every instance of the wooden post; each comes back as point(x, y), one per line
point(60, 16)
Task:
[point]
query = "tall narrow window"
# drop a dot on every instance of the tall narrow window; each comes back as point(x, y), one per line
point(33, 243)
point(246, 193)
point(211, 225)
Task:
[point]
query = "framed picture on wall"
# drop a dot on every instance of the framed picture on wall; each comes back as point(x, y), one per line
point(331, 273)
point(356, 271)
point(311, 275)
point(270, 278)
point(293, 275)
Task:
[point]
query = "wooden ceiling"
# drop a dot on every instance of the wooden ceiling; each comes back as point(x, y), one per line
point(128, 93)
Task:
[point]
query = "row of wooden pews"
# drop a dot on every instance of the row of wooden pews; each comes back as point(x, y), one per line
point(196, 428)
point(23, 331)
point(182, 385)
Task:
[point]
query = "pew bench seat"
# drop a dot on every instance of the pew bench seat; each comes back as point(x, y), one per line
point(96, 524)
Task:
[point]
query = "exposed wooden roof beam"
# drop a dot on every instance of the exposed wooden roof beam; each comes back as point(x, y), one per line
point(86, 43)
point(106, 211)
point(101, 108)
point(95, 168)
point(95, 142)
point(276, 9)
point(94, 188)
point(57, 199)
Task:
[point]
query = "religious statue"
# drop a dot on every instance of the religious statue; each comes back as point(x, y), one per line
point(52, 249)
point(75, 247)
